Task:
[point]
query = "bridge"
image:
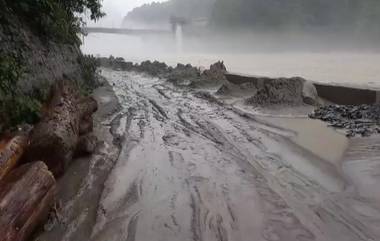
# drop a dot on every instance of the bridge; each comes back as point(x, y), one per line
point(126, 31)
point(174, 21)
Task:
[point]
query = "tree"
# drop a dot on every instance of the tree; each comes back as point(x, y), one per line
point(58, 20)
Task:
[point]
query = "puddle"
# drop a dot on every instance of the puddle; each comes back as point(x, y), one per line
point(315, 136)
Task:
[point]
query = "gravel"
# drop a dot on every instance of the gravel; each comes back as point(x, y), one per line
point(361, 120)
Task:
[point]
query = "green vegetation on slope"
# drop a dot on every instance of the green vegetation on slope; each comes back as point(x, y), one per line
point(56, 21)
point(15, 106)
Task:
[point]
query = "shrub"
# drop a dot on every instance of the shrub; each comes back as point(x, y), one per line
point(89, 65)
point(58, 20)
point(15, 106)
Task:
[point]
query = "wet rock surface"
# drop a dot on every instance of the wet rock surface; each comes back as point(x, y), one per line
point(362, 120)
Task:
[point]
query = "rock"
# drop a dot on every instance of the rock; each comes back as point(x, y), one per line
point(86, 145)
point(361, 120)
point(54, 139)
point(86, 125)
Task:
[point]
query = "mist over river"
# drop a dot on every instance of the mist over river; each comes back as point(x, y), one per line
point(324, 65)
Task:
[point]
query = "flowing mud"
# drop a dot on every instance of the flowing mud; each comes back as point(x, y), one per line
point(192, 169)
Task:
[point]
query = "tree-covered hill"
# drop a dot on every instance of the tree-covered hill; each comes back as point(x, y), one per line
point(334, 15)
point(270, 15)
point(161, 12)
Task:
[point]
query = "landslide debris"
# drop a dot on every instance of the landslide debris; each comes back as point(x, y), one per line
point(264, 91)
point(362, 120)
point(277, 91)
point(181, 74)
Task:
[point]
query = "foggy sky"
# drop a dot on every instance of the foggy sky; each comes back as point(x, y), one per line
point(117, 9)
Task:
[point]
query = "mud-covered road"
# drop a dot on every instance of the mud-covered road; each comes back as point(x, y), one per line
point(195, 169)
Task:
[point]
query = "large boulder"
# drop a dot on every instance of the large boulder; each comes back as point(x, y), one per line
point(55, 138)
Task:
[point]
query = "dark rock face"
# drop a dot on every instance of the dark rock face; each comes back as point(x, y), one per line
point(363, 120)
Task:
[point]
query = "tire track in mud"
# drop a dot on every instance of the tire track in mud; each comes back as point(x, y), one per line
point(332, 213)
point(216, 222)
point(201, 171)
point(200, 214)
point(273, 225)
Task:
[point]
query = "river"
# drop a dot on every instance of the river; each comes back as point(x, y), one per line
point(354, 67)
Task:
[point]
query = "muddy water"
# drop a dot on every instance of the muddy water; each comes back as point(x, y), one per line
point(313, 136)
point(360, 68)
point(190, 169)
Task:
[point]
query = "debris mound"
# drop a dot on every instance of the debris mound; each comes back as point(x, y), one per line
point(277, 91)
point(183, 74)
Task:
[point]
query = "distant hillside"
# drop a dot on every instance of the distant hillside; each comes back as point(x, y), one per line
point(156, 13)
point(333, 15)
point(349, 16)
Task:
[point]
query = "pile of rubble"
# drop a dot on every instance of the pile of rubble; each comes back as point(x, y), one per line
point(182, 75)
point(155, 68)
point(277, 91)
point(363, 120)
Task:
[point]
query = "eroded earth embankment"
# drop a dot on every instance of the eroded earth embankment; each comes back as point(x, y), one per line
point(197, 166)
